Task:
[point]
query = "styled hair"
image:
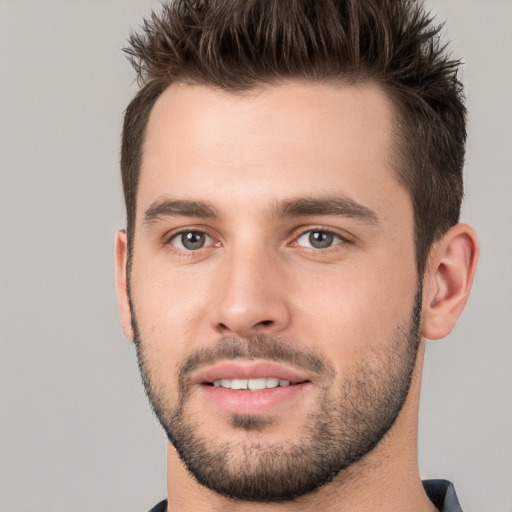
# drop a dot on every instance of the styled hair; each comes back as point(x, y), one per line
point(240, 45)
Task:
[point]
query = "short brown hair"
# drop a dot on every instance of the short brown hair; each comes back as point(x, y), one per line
point(239, 45)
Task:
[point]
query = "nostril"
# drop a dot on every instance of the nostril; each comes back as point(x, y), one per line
point(247, 324)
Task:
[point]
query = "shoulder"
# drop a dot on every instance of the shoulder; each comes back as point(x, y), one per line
point(161, 507)
point(442, 494)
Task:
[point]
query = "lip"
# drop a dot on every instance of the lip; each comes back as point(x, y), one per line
point(246, 402)
point(251, 403)
point(249, 370)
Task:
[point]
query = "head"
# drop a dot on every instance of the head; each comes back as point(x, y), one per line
point(239, 46)
point(288, 168)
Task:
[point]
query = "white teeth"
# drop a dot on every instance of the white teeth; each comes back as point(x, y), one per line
point(257, 383)
point(238, 383)
point(272, 383)
point(252, 384)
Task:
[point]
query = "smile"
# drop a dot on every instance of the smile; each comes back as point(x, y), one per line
point(250, 375)
point(252, 387)
point(251, 384)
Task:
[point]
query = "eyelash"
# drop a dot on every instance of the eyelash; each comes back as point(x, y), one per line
point(299, 233)
point(183, 252)
point(343, 239)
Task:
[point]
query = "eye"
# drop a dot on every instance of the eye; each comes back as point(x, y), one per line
point(318, 239)
point(191, 240)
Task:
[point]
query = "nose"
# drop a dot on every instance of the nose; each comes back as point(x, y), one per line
point(251, 296)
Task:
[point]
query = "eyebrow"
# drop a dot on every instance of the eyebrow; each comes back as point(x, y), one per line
point(178, 208)
point(338, 206)
point(300, 207)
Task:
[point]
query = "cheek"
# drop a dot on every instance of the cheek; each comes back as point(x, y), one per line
point(354, 313)
point(170, 308)
point(159, 310)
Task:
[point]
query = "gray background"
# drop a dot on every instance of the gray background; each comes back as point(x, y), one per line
point(75, 431)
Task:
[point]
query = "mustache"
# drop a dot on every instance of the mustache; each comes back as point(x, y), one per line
point(257, 347)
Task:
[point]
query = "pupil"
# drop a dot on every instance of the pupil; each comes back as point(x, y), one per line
point(320, 239)
point(192, 240)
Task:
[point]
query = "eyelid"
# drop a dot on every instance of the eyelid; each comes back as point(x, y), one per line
point(173, 241)
point(170, 235)
point(167, 238)
point(303, 230)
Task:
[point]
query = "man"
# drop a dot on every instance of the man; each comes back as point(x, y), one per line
point(292, 173)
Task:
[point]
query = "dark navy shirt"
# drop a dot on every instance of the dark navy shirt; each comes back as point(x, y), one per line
point(441, 494)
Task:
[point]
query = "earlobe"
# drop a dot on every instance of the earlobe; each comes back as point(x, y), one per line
point(448, 278)
point(121, 251)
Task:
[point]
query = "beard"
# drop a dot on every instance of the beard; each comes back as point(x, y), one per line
point(348, 420)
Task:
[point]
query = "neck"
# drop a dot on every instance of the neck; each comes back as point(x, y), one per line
point(387, 479)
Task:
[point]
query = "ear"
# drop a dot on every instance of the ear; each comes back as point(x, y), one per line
point(448, 278)
point(121, 251)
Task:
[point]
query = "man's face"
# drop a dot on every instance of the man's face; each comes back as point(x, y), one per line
point(273, 249)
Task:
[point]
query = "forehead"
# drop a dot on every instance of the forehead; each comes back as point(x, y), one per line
point(294, 138)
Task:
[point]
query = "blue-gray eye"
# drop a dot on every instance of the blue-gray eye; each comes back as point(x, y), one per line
point(318, 239)
point(191, 240)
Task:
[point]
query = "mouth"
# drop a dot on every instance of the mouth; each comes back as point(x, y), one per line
point(252, 384)
point(248, 387)
point(250, 375)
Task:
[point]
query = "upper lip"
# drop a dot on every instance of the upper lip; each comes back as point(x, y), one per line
point(248, 370)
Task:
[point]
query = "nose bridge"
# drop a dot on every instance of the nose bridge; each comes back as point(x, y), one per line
point(250, 299)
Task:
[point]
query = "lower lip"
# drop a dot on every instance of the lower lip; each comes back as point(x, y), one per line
point(245, 402)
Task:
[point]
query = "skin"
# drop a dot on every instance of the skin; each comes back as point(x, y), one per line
point(243, 155)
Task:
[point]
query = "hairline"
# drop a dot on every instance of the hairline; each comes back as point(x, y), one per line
point(399, 151)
